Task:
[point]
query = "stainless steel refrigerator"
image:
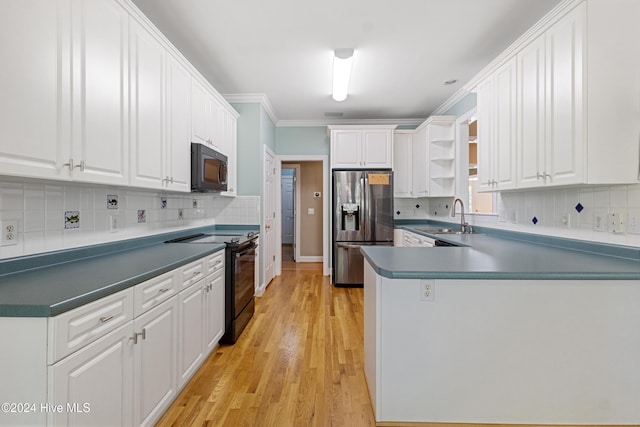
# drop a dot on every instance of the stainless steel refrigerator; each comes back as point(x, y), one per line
point(362, 214)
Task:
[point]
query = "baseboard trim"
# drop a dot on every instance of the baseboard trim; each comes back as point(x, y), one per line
point(309, 259)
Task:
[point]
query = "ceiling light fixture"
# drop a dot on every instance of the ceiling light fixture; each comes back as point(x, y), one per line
point(342, 60)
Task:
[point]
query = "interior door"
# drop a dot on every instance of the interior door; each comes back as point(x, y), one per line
point(288, 198)
point(269, 216)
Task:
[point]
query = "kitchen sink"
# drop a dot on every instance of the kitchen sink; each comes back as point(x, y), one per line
point(439, 230)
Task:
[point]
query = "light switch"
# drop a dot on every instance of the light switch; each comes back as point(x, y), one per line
point(311, 211)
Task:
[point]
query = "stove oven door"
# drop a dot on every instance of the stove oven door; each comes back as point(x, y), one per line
point(244, 272)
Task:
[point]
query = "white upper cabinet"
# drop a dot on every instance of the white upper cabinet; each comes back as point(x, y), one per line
point(96, 94)
point(204, 120)
point(577, 101)
point(402, 179)
point(550, 140)
point(99, 151)
point(147, 71)
point(34, 127)
point(496, 99)
point(177, 171)
point(354, 147)
point(424, 159)
point(64, 109)
point(377, 148)
point(531, 137)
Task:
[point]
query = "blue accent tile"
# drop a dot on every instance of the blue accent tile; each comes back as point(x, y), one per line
point(579, 207)
point(534, 220)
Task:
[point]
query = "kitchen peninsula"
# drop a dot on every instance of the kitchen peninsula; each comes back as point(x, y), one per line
point(503, 330)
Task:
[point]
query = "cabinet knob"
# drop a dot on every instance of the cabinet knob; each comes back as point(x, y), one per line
point(70, 164)
point(80, 166)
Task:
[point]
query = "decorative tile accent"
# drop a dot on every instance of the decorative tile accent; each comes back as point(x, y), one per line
point(71, 219)
point(579, 207)
point(142, 216)
point(163, 202)
point(180, 213)
point(112, 201)
point(534, 220)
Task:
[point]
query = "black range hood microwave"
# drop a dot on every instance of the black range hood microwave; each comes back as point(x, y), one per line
point(208, 169)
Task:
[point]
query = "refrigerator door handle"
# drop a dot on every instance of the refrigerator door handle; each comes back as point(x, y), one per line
point(348, 246)
point(365, 202)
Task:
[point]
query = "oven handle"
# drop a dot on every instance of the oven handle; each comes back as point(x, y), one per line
point(248, 249)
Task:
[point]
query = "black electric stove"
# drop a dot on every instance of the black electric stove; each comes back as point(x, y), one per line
point(240, 265)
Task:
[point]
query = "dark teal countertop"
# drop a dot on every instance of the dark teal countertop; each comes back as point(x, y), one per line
point(49, 284)
point(505, 255)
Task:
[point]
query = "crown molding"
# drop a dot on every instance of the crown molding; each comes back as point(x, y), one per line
point(254, 98)
point(328, 122)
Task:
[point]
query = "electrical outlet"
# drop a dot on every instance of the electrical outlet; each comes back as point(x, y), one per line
point(9, 229)
point(566, 220)
point(616, 222)
point(633, 222)
point(599, 221)
point(113, 223)
point(427, 290)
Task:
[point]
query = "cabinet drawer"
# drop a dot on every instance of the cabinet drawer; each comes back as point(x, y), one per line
point(148, 294)
point(215, 262)
point(193, 272)
point(76, 328)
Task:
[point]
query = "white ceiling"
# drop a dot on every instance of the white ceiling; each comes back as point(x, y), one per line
point(404, 49)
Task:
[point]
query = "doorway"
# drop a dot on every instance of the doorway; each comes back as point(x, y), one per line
point(311, 232)
point(290, 210)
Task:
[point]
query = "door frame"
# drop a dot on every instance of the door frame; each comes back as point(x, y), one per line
point(293, 158)
point(296, 208)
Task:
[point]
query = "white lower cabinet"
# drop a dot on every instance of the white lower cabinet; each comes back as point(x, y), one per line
point(191, 331)
point(155, 362)
point(120, 360)
point(94, 384)
point(214, 309)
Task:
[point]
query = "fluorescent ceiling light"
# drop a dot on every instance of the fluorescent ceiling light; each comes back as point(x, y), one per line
point(341, 73)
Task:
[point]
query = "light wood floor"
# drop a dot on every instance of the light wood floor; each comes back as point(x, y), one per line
point(298, 363)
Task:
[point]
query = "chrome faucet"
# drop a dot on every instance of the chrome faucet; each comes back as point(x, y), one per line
point(464, 227)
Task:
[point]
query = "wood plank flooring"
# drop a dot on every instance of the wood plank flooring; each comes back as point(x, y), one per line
point(298, 363)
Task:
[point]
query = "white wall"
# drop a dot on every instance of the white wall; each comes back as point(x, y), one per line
point(40, 206)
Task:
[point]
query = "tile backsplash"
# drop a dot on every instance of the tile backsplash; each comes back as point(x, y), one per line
point(52, 215)
point(608, 214)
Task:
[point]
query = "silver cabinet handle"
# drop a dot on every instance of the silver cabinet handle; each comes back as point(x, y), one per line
point(70, 164)
point(106, 319)
point(142, 334)
point(195, 273)
point(80, 166)
point(163, 290)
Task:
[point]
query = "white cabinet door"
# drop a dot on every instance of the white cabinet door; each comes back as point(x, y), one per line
point(190, 331)
point(100, 376)
point(346, 149)
point(496, 113)
point(402, 168)
point(214, 309)
point(147, 72)
point(485, 107)
point(155, 362)
point(504, 142)
point(232, 153)
point(531, 114)
point(200, 113)
point(564, 99)
point(34, 105)
point(420, 164)
point(377, 150)
point(100, 152)
point(178, 159)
